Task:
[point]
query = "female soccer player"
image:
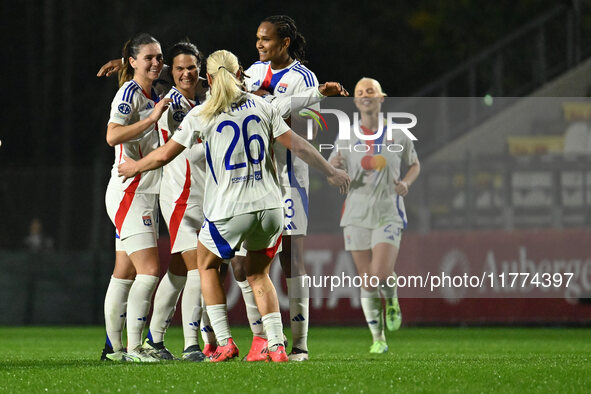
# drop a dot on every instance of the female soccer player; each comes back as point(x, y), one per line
point(278, 76)
point(374, 216)
point(181, 202)
point(242, 203)
point(132, 204)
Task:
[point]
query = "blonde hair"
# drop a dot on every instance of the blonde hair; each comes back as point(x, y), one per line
point(225, 88)
point(375, 81)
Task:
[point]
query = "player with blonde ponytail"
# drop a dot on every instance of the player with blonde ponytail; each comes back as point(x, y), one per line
point(225, 88)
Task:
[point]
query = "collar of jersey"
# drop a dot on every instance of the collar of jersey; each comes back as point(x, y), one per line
point(292, 64)
point(154, 97)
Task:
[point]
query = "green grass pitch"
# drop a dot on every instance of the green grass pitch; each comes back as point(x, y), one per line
point(65, 359)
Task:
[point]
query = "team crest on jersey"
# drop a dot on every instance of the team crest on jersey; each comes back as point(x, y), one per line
point(125, 109)
point(147, 220)
point(178, 116)
point(282, 87)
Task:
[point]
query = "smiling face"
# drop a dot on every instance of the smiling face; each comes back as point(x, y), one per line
point(368, 95)
point(185, 72)
point(148, 63)
point(271, 47)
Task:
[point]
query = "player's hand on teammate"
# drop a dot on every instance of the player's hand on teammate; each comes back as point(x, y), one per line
point(401, 188)
point(159, 109)
point(338, 161)
point(112, 66)
point(332, 89)
point(340, 179)
point(127, 168)
point(261, 92)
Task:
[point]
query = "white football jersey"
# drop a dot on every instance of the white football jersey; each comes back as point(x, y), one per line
point(372, 200)
point(130, 105)
point(241, 175)
point(184, 177)
point(290, 81)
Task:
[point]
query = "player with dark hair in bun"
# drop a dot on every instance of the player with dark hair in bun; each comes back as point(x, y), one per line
point(181, 203)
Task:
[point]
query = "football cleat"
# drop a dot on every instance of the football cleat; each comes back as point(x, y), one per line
point(106, 351)
point(110, 355)
point(393, 314)
point(225, 353)
point(209, 349)
point(122, 357)
point(278, 355)
point(379, 347)
point(157, 350)
point(258, 350)
point(298, 355)
point(139, 355)
point(193, 353)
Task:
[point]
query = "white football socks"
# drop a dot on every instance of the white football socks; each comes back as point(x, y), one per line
point(299, 305)
point(218, 316)
point(371, 303)
point(191, 308)
point(116, 309)
point(165, 300)
point(389, 292)
point(252, 312)
point(206, 330)
point(274, 329)
point(138, 307)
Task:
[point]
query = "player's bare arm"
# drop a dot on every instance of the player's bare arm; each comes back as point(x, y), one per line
point(116, 133)
point(109, 68)
point(305, 151)
point(412, 174)
point(338, 161)
point(155, 159)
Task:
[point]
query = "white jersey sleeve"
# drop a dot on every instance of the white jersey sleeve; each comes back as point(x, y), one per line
point(285, 104)
point(187, 133)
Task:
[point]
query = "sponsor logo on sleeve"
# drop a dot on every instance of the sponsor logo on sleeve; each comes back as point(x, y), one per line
point(124, 108)
point(178, 116)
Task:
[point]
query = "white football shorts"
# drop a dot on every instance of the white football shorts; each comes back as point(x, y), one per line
point(359, 238)
point(133, 214)
point(184, 222)
point(257, 231)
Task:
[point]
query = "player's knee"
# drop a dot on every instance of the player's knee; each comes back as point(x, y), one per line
point(256, 279)
point(239, 269)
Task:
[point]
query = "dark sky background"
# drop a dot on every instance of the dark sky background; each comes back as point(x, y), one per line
point(56, 109)
point(54, 161)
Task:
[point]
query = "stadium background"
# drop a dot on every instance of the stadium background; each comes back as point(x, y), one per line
point(54, 162)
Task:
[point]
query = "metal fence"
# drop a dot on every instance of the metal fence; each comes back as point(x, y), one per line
point(515, 66)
